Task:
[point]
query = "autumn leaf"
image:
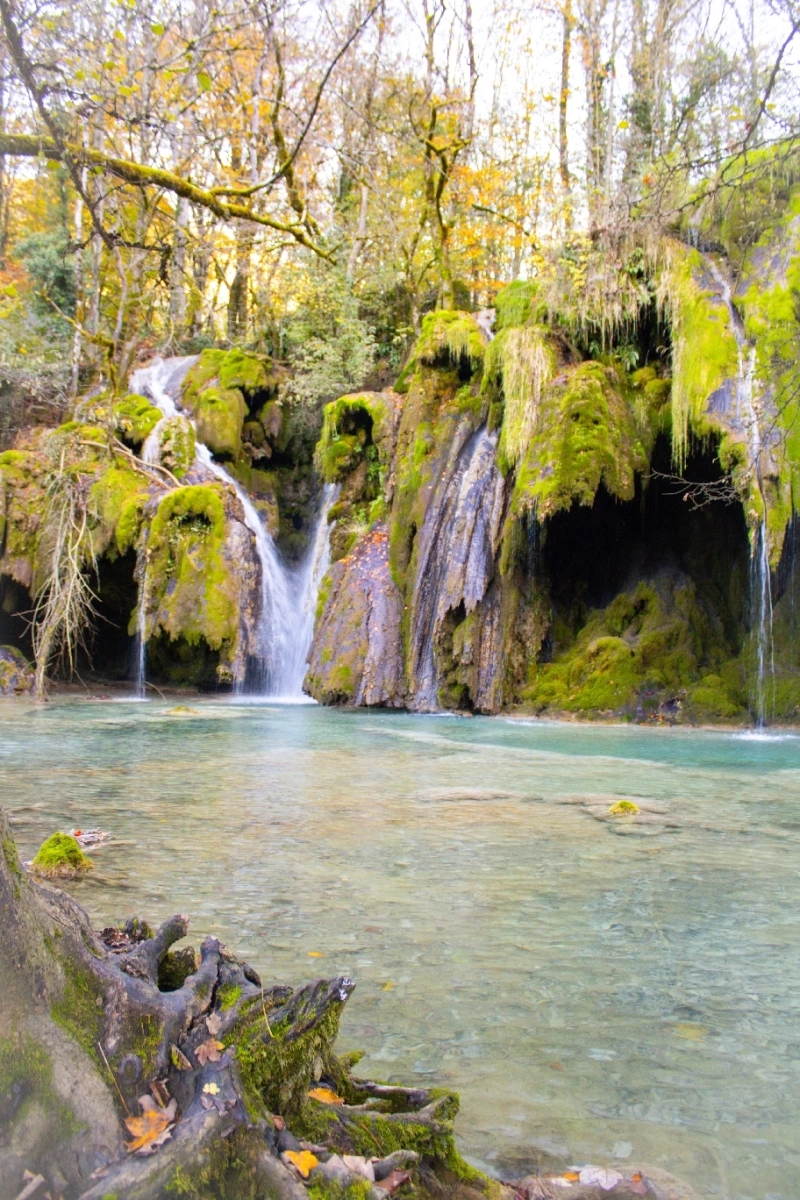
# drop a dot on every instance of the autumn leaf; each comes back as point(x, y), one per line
point(208, 1051)
point(152, 1128)
point(214, 1024)
point(303, 1160)
point(325, 1096)
point(315, 954)
point(179, 1059)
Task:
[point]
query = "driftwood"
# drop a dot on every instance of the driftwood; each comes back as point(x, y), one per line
point(132, 1070)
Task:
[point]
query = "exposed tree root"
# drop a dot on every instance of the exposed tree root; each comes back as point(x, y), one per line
point(132, 1070)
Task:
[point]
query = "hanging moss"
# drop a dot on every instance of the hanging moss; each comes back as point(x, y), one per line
point(135, 418)
point(588, 434)
point(350, 426)
point(192, 589)
point(523, 362)
point(451, 335)
point(60, 857)
point(705, 355)
point(514, 303)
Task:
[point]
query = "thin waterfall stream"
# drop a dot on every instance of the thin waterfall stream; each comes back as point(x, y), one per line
point(285, 625)
point(760, 578)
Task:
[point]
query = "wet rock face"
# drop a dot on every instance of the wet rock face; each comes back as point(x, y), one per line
point(356, 657)
point(16, 674)
point(457, 549)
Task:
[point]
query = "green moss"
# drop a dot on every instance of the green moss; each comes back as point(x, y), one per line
point(453, 336)
point(214, 393)
point(115, 497)
point(323, 1188)
point(704, 349)
point(135, 418)
point(60, 855)
point(192, 589)
point(513, 304)
point(79, 1010)
point(623, 808)
point(177, 439)
point(521, 361)
point(351, 426)
point(589, 433)
point(649, 645)
point(227, 995)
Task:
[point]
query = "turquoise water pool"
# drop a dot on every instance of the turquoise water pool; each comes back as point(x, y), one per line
point(597, 990)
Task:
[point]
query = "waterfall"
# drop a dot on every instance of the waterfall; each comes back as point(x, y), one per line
point(141, 640)
point(747, 417)
point(285, 625)
point(456, 556)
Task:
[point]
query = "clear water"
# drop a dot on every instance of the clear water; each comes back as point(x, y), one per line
point(596, 992)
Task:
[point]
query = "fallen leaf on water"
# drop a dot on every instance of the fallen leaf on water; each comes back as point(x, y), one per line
point(325, 1095)
point(304, 1160)
point(152, 1128)
point(315, 954)
point(360, 1166)
point(604, 1176)
point(395, 1180)
point(556, 1066)
point(571, 1176)
point(212, 1089)
point(209, 1051)
point(387, 987)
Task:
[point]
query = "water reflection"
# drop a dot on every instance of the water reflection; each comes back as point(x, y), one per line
point(597, 991)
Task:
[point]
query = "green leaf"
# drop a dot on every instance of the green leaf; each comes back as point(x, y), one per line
point(203, 81)
point(157, 29)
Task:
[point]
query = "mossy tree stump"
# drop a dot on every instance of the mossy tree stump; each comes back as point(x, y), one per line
point(91, 1023)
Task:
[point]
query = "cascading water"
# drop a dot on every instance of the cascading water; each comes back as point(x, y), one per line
point(746, 416)
point(456, 556)
point(288, 598)
point(140, 648)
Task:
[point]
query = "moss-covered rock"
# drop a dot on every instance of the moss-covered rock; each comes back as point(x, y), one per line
point(177, 439)
point(588, 432)
point(60, 857)
point(214, 393)
point(652, 646)
point(16, 673)
point(192, 588)
point(135, 418)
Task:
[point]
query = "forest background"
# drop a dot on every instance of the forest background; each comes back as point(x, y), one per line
point(308, 178)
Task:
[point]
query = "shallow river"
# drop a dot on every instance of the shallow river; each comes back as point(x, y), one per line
point(597, 991)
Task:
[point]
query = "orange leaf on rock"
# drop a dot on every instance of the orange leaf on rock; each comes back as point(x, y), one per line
point(395, 1180)
point(325, 1095)
point(208, 1051)
point(151, 1128)
point(304, 1160)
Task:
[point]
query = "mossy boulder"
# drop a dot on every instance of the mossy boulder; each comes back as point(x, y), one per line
point(450, 336)
point(588, 433)
point(16, 673)
point(117, 501)
point(214, 393)
point(135, 418)
point(60, 857)
point(177, 445)
point(198, 564)
point(652, 645)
